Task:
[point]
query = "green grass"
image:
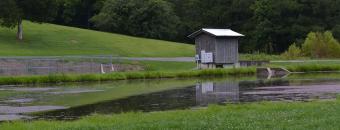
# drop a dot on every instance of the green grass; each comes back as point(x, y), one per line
point(55, 40)
point(159, 70)
point(267, 115)
point(125, 75)
point(309, 66)
point(314, 76)
point(167, 66)
point(259, 57)
point(313, 68)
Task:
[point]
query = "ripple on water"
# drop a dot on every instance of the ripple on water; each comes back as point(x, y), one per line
point(28, 89)
point(27, 109)
point(12, 117)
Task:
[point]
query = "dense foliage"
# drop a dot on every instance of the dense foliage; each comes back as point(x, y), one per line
point(269, 25)
point(78, 12)
point(321, 45)
point(12, 12)
point(147, 18)
point(316, 45)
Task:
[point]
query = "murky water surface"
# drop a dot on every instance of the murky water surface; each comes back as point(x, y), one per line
point(73, 101)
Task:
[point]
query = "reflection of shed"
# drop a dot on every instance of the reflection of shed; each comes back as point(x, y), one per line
point(216, 48)
point(209, 92)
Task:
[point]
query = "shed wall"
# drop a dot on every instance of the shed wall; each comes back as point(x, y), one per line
point(226, 50)
point(205, 42)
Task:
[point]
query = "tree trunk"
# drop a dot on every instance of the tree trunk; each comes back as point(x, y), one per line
point(20, 30)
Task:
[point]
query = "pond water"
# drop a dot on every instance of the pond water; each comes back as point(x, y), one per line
point(73, 101)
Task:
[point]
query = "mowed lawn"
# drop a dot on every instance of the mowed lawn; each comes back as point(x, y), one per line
point(56, 40)
point(269, 115)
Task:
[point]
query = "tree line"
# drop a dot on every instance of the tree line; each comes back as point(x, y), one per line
point(270, 26)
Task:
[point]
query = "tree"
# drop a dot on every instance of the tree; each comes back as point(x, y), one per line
point(146, 18)
point(77, 13)
point(275, 24)
point(13, 12)
point(336, 32)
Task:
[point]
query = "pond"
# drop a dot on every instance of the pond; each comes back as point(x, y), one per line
point(73, 101)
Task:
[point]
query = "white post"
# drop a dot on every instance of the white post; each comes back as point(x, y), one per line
point(102, 68)
point(112, 68)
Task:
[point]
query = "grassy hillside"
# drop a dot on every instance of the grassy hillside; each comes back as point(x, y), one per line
point(52, 40)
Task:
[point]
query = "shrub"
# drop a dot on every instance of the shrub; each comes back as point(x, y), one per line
point(293, 52)
point(321, 45)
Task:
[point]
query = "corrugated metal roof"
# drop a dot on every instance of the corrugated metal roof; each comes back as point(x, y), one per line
point(217, 33)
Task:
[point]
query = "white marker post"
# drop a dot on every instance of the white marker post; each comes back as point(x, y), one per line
point(102, 68)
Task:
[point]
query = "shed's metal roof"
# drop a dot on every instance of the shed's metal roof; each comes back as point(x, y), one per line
point(217, 33)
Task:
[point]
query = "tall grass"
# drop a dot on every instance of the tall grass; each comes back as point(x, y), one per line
point(313, 67)
point(259, 57)
point(124, 76)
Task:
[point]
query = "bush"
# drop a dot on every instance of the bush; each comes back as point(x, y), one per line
point(321, 45)
point(293, 52)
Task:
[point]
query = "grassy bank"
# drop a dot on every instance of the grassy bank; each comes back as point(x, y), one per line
point(268, 115)
point(313, 68)
point(56, 40)
point(125, 76)
point(309, 66)
point(166, 66)
point(159, 70)
point(315, 76)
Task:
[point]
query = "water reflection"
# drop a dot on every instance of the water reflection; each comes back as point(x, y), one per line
point(192, 94)
point(217, 93)
point(205, 93)
point(200, 95)
point(159, 101)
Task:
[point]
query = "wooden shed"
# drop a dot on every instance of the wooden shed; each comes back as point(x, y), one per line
point(216, 48)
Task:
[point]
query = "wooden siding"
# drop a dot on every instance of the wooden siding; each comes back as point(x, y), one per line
point(226, 50)
point(205, 42)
